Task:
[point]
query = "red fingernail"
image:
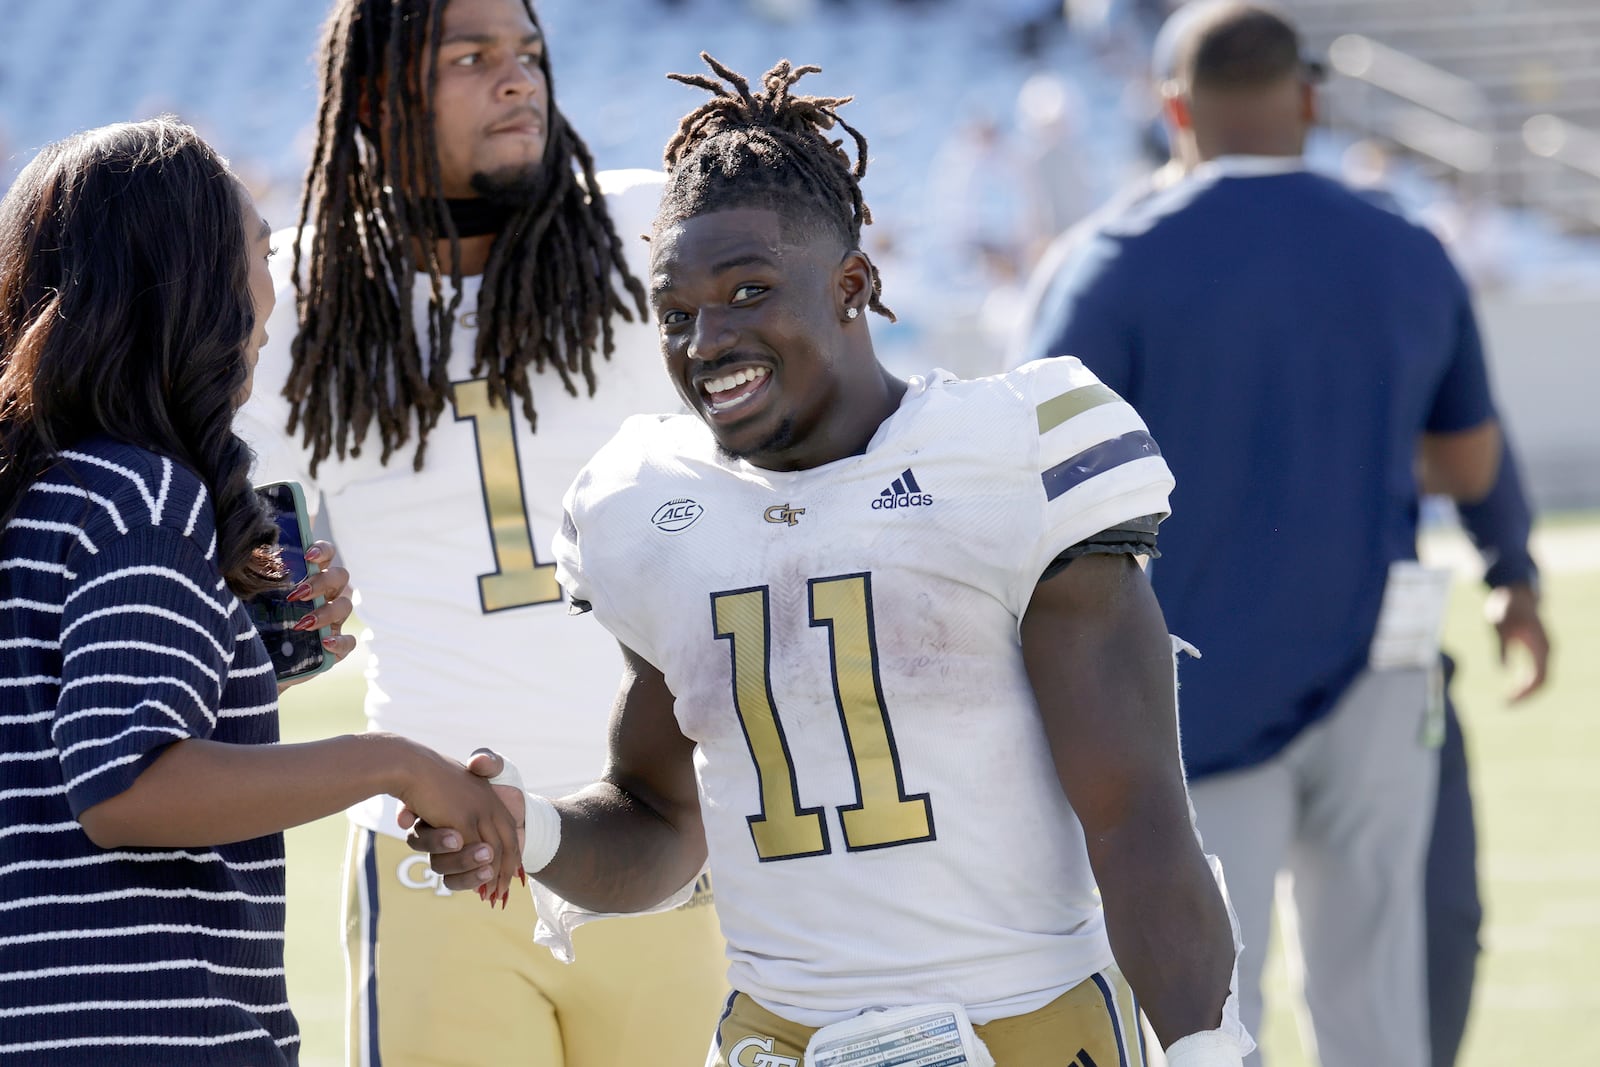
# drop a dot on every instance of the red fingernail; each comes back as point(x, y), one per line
point(505, 898)
point(300, 592)
point(307, 623)
point(522, 875)
point(483, 892)
point(330, 643)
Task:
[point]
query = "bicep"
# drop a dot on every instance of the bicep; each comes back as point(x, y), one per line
point(650, 758)
point(1100, 663)
point(1464, 464)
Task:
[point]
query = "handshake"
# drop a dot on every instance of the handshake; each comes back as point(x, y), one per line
point(477, 857)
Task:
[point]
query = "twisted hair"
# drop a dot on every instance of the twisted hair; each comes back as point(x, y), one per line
point(125, 311)
point(372, 203)
point(768, 149)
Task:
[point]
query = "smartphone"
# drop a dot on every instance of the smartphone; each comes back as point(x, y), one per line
point(295, 653)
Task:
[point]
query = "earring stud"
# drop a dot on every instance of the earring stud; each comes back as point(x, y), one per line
point(851, 313)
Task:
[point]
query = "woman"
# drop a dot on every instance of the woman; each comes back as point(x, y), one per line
point(143, 795)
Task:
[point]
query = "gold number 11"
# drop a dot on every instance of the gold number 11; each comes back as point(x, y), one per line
point(882, 815)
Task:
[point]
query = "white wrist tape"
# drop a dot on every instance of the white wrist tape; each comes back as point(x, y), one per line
point(1208, 1048)
point(542, 832)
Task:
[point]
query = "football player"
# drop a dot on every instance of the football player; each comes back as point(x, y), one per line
point(891, 662)
point(461, 269)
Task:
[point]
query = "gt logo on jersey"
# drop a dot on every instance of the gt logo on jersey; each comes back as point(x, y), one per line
point(783, 513)
point(676, 516)
point(903, 492)
point(764, 1058)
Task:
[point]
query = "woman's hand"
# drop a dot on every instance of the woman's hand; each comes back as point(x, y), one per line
point(332, 584)
point(444, 793)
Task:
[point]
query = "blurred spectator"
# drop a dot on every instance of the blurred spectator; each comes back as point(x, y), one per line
point(1334, 335)
point(1059, 186)
point(979, 192)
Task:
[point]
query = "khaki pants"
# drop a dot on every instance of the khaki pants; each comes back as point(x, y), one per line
point(1093, 1024)
point(445, 980)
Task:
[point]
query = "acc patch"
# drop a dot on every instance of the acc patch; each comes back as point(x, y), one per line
point(676, 516)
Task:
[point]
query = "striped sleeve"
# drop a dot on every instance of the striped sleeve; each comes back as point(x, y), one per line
point(1096, 465)
point(146, 644)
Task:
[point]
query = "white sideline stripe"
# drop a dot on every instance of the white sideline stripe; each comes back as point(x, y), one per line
point(194, 512)
point(135, 857)
point(97, 742)
point(147, 702)
point(37, 828)
point(136, 931)
point(148, 609)
point(142, 646)
point(39, 565)
point(211, 549)
point(149, 569)
point(142, 968)
point(117, 1041)
point(84, 494)
point(139, 483)
point(23, 720)
point(142, 679)
point(57, 527)
point(28, 680)
point(153, 894)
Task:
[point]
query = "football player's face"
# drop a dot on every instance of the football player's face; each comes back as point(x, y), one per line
point(750, 328)
point(491, 102)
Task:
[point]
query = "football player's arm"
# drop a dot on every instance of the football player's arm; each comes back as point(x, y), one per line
point(630, 840)
point(1100, 663)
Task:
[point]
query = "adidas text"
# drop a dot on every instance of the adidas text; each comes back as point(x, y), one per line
point(904, 500)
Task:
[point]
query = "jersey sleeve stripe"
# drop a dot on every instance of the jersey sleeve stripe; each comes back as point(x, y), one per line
point(1097, 459)
point(1059, 409)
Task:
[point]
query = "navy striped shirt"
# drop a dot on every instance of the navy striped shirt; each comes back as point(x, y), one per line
point(118, 637)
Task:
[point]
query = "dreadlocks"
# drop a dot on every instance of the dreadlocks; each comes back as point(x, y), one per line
point(768, 149)
point(373, 204)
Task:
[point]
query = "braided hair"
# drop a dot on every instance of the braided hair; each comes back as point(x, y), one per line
point(768, 149)
point(372, 203)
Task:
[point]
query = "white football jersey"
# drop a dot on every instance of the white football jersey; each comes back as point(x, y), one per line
point(884, 819)
point(472, 643)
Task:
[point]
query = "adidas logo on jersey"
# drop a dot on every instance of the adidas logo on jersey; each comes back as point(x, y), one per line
point(903, 492)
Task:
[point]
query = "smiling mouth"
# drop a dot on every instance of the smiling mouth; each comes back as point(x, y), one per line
point(732, 391)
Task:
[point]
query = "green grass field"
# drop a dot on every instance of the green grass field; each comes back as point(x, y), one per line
point(1536, 776)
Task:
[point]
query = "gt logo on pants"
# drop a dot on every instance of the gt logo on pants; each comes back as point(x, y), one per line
point(414, 873)
point(764, 1058)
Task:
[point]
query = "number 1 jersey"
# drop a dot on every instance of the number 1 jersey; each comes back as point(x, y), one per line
point(884, 819)
point(471, 640)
